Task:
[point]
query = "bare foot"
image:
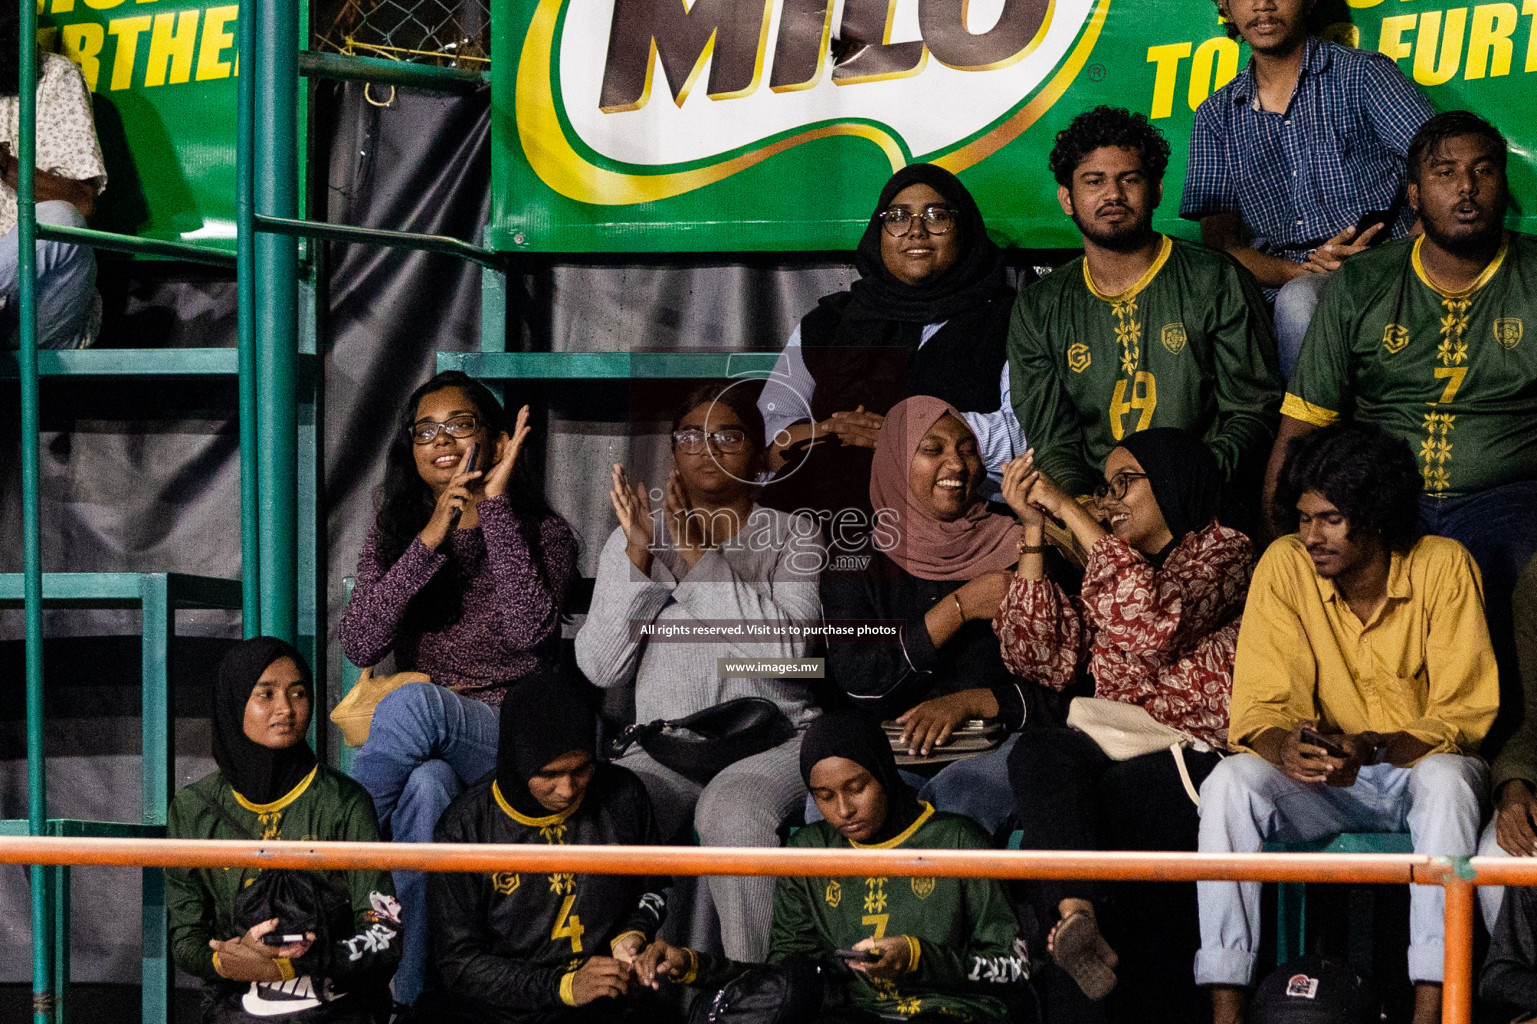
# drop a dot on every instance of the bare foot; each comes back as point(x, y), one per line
point(1079, 949)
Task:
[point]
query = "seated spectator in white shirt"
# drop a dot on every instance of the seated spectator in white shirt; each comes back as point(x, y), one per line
point(69, 176)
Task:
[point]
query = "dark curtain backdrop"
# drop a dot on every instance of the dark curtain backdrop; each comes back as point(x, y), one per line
point(145, 476)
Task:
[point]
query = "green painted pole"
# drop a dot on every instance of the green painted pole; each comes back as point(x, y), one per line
point(31, 534)
point(245, 270)
point(275, 169)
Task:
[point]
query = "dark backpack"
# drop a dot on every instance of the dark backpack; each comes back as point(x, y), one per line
point(786, 993)
point(300, 900)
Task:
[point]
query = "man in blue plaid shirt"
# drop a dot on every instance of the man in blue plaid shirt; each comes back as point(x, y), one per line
point(1287, 157)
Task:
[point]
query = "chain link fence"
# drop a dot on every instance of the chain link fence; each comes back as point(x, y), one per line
point(451, 33)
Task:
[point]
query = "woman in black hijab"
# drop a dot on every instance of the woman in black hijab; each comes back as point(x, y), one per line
point(257, 771)
point(519, 949)
point(269, 786)
point(1156, 628)
point(923, 939)
point(928, 316)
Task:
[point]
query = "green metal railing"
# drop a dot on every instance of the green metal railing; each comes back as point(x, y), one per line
point(31, 533)
point(268, 366)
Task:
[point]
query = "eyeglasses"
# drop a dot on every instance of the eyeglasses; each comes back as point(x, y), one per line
point(1115, 487)
point(898, 220)
point(692, 440)
point(459, 426)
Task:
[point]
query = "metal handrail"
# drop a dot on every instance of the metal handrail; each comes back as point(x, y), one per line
point(345, 67)
point(442, 244)
point(1458, 875)
point(136, 245)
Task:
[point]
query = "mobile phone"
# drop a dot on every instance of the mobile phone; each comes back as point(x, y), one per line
point(277, 939)
point(1318, 739)
point(860, 956)
point(1367, 220)
point(474, 458)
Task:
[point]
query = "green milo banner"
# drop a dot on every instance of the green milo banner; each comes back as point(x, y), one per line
point(162, 74)
point(729, 125)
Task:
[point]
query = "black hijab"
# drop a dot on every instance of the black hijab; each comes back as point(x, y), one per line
point(844, 336)
point(852, 735)
point(978, 274)
point(543, 718)
point(1186, 482)
point(258, 773)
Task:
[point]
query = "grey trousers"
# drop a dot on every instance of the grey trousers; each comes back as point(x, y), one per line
point(742, 806)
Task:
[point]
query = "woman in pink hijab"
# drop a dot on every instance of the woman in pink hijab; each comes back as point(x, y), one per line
point(939, 567)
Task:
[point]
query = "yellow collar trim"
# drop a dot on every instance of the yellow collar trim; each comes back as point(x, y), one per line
point(907, 833)
point(282, 801)
point(523, 819)
point(1478, 282)
point(1142, 282)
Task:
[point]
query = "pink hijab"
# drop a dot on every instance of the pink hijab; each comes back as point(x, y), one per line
point(978, 542)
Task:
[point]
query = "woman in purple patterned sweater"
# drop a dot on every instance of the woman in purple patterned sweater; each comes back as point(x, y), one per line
point(462, 577)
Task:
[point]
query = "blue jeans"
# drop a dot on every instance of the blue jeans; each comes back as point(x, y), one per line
point(1499, 529)
point(1246, 800)
point(977, 787)
point(426, 743)
point(66, 284)
point(1294, 306)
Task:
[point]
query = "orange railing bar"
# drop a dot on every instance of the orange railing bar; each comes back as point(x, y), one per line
point(696, 860)
point(1457, 992)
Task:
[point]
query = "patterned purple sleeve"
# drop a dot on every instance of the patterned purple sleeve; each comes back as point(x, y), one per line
point(379, 598)
point(531, 592)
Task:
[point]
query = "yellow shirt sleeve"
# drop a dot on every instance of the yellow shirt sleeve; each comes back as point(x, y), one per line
point(1459, 659)
point(1272, 665)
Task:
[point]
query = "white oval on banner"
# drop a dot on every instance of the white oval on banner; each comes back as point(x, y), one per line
point(931, 108)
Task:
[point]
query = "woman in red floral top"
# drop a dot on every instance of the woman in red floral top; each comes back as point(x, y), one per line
point(1155, 625)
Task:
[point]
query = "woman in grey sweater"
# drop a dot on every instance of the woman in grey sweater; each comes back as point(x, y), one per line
point(716, 558)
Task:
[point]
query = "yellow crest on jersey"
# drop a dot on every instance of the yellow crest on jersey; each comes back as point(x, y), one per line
point(1078, 357)
point(505, 882)
point(1174, 338)
point(834, 894)
point(1508, 331)
point(1394, 338)
point(922, 887)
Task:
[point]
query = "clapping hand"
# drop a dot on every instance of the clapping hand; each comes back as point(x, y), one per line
point(689, 528)
point(633, 508)
point(858, 428)
point(507, 451)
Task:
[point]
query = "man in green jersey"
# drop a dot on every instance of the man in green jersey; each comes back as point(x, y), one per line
point(1424, 337)
point(922, 948)
point(1142, 331)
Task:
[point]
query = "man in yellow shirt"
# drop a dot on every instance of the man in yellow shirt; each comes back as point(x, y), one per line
point(1376, 641)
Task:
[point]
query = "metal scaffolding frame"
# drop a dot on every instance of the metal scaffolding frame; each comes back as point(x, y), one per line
point(279, 370)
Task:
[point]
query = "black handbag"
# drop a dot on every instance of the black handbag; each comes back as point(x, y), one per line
point(698, 746)
point(791, 992)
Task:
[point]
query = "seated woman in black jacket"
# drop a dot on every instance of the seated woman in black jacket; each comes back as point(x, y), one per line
point(511, 947)
point(929, 315)
point(940, 566)
point(269, 786)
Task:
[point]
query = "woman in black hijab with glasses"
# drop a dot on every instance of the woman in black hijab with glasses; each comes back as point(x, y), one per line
point(1156, 627)
point(929, 315)
point(269, 786)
